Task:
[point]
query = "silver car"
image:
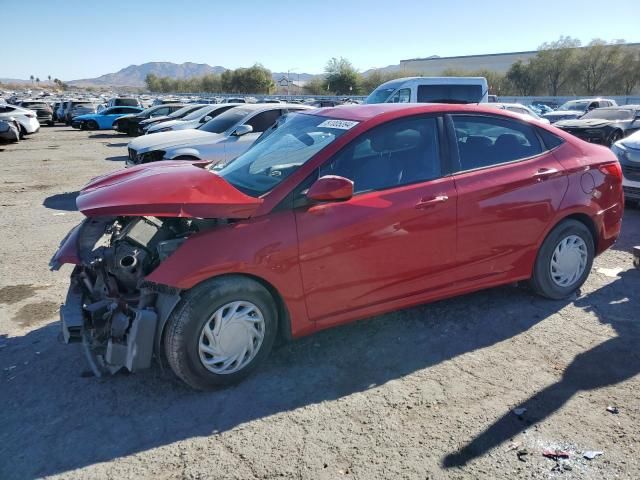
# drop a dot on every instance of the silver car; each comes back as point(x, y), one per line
point(193, 120)
point(219, 140)
point(9, 130)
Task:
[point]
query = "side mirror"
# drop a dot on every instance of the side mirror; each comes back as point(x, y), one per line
point(331, 188)
point(243, 130)
point(206, 119)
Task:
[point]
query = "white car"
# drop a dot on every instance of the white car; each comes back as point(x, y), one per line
point(518, 108)
point(193, 120)
point(219, 140)
point(628, 152)
point(26, 118)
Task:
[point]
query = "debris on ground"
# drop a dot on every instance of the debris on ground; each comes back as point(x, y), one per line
point(519, 411)
point(555, 454)
point(613, 409)
point(610, 272)
point(591, 454)
point(521, 454)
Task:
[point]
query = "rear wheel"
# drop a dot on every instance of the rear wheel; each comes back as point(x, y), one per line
point(564, 260)
point(221, 331)
point(92, 125)
point(132, 131)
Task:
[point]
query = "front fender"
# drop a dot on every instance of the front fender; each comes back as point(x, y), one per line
point(172, 154)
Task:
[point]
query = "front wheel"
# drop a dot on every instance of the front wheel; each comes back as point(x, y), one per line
point(564, 260)
point(92, 125)
point(221, 331)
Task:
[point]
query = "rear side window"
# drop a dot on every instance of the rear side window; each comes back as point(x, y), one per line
point(485, 141)
point(390, 155)
point(401, 96)
point(449, 93)
point(550, 140)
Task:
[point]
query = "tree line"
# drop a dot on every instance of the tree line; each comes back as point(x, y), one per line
point(558, 68)
point(255, 79)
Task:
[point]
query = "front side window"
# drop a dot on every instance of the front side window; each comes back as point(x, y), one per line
point(264, 120)
point(390, 155)
point(486, 141)
point(401, 96)
point(225, 121)
point(281, 151)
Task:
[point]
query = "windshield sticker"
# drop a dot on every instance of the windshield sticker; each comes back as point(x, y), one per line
point(339, 124)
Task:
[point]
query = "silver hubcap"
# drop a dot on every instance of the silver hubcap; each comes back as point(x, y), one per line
point(231, 337)
point(568, 261)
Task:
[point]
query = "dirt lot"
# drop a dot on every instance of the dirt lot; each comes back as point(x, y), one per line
point(423, 393)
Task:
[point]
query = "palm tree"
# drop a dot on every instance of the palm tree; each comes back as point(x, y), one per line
point(49, 77)
point(38, 80)
point(31, 78)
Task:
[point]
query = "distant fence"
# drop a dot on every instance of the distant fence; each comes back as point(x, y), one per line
point(260, 96)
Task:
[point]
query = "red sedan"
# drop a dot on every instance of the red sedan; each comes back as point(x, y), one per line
point(332, 216)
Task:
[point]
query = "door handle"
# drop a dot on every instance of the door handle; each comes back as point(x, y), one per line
point(545, 173)
point(430, 202)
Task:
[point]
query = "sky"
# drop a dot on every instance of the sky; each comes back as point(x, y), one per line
point(75, 39)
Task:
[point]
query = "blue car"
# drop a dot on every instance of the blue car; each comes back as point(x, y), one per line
point(102, 120)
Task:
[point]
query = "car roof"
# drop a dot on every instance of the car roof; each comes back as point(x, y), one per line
point(621, 107)
point(254, 107)
point(366, 112)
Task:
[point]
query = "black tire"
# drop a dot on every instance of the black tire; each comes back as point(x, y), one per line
point(132, 130)
point(23, 131)
point(615, 136)
point(92, 125)
point(50, 123)
point(541, 281)
point(185, 325)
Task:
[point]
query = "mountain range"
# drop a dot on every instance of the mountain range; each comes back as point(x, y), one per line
point(134, 75)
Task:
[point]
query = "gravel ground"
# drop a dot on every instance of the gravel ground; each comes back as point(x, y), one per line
point(427, 392)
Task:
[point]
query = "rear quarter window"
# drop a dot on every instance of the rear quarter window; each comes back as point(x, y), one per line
point(550, 140)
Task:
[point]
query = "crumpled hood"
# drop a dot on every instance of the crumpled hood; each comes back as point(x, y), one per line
point(165, 189)
point(583, 123)
point(178, 138)
point(563, 113)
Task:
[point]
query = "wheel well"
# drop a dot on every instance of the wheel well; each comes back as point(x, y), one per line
point(588, 222)
point(284, 320)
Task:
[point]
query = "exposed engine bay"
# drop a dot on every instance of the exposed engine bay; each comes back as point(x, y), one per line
point(116, 314)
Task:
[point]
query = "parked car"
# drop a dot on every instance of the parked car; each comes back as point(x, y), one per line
point(44, 114)
point(323, 103)
point(124, 102)
point(576, 108)
point(103, 120)
point(628, 152)
point(180, 113)
point(71, 107)
point(165, 101)
point(54, 111)
point(604, 125)
point(518, 108)
point(431, 90)
point(9, 130)
point(82, 109)
point(234, 100)
point(25, 118)
point(193, 120)
point(334, 216)
point(129, 123)
point(221, 139)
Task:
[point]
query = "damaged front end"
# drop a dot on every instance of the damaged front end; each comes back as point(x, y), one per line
point(110, 308)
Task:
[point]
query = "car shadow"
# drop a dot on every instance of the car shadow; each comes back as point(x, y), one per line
point(106, 135)
point(62, 201)
point(55, 420)
point(118, 158)
point(609, 363)
point(121, 144)
point(631, 227)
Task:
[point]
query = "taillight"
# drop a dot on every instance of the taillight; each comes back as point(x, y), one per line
point(612, 169)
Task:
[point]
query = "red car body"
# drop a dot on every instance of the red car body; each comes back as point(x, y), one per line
point(335, 262)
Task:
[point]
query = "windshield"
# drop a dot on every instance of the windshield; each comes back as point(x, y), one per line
point(281, 151)
point(34, 105)
point(196, 114)
point(575, 105)
point(181, 112)
point(225, 121)
point(382, 93)
point(607, 114)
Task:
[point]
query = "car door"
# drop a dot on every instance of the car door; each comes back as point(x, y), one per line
point(395, 238)
point(509, 188)
point(236, 145)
